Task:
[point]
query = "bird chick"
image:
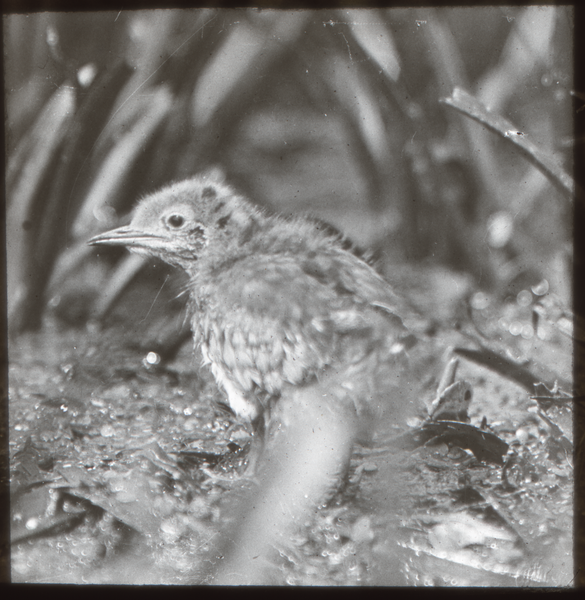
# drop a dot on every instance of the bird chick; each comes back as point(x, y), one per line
point(276, 301)
point(299, 331)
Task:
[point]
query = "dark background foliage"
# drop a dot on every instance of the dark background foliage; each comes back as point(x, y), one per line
point(332, 112)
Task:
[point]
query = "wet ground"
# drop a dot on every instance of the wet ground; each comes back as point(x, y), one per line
point(123, 471)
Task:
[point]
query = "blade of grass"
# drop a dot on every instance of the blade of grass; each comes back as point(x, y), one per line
point(252, 46)
point(119, 162)
point(466, 104)
point(20, 242)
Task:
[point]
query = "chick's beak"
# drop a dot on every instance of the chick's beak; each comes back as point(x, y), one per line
point(174, 251)
point(127, 236)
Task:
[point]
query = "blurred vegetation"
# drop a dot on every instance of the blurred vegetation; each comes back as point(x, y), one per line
point(333, 112)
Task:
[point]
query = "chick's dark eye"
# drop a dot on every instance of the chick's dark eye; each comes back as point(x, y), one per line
point(176, 221)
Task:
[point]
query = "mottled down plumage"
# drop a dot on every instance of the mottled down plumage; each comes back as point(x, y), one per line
point(285, 312)
point(275, 301)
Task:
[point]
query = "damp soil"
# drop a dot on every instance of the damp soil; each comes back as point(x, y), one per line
point(123, 470)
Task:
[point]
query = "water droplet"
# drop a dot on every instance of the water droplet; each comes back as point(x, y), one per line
point(107, 431)
point(541, 288)
point(515, 328)
point(500, 229)
point(524, 298)
point(152, 358)
point(480, 301)
point(86, 74)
